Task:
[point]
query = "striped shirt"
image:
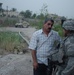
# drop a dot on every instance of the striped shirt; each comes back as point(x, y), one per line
point(43, 44)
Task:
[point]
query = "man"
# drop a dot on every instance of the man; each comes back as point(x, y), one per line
point(42, 42)
point(67, 68)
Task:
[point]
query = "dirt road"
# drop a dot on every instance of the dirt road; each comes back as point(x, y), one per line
point(27, 31)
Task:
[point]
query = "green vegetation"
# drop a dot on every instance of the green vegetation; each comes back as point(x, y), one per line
point(36, 24)
point(10, 42)
point(8, 22)
point(59, 29)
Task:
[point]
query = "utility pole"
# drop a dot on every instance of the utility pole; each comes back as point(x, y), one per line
point(1, 9)
point(7, 11)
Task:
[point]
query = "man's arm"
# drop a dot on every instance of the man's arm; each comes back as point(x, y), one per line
point(35, 63)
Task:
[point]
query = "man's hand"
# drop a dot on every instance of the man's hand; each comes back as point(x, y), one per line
point(35, 65)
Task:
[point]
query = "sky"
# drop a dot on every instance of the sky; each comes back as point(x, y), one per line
point(59, 7)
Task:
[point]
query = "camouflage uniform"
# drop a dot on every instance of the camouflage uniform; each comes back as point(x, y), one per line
point(68, 47)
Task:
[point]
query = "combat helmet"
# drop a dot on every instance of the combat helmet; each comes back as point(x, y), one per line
point(68, 25)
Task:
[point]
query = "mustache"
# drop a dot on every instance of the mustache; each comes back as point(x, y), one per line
point(49, 28)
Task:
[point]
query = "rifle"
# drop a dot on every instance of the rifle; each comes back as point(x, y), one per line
point(50, 67)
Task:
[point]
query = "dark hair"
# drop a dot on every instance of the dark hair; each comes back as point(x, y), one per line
point(48, 19)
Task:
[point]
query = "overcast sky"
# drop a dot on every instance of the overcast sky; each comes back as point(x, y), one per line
point(59, 7)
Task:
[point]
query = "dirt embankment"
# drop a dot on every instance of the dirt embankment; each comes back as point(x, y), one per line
point(16, 64)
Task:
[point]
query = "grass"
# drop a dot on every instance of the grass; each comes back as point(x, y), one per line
point(59, 29)
point(10, 42)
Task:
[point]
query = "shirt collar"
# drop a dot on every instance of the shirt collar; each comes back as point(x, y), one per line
point(51, 32)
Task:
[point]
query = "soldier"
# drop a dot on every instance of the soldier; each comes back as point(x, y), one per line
point(68, 47)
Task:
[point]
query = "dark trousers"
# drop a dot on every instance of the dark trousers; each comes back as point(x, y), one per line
point(41, 70)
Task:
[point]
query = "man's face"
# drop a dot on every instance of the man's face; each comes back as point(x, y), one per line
point(48, 26)
point(65, 32)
